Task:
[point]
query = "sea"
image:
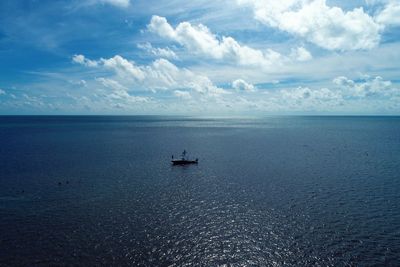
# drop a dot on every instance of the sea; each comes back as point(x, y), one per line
point(267, 191)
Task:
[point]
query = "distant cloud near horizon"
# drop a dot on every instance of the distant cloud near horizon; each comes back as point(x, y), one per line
point(241, 85)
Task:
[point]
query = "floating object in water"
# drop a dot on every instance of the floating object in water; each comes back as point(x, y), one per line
point(183, 160)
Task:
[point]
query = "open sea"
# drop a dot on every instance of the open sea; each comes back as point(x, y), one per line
point(273, 191)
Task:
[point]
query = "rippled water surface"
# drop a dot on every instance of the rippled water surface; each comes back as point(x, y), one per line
point(277, 191)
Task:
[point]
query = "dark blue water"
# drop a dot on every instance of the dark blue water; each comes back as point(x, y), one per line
point(278, 191)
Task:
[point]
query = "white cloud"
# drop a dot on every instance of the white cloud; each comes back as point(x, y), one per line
point(376, 86)
point(80, 59)
point(343, 81)
point(159, 75)
point(328, 27)
point(241, 85)
point(390, 15)
point(182, 94)
point(348, 95)
point(119, 94)
point(81, 82)
point(200, 40)
point(315, 95)
point(158, 52)
point(33, 101)
point(117, 3)
point(289, 100)
point(123, 67)
point(109, 83)
point(301, 54)
point(2, 92)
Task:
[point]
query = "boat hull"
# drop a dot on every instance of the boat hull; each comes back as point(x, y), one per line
point(183, 162)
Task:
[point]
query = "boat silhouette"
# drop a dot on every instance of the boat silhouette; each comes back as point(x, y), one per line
point(183, 160)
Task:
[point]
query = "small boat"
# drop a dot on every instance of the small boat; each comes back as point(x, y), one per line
point(183, 160)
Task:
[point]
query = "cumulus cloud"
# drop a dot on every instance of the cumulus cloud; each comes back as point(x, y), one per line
point(364, 93)
point(301, 54)
point(328, 27)
point(80, 59)
point(159, 75)
point(241, 85)
point(344, 81)
point(200, 40)
point(123, 67)
point(34, 101)
point(119, 64)
point(365, 87)
point(120, 92)
point(158, 52)
point(307, 94)
point(182, 94)
point(109, 83)
point(2, 92)
point(390, 15)
point(81, 83)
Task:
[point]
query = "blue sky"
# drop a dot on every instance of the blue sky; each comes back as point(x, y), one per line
point(237, 57)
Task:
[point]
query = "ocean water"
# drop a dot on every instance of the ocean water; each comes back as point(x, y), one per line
point(273, 191)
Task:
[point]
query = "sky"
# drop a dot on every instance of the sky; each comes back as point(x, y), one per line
point(226, 57)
